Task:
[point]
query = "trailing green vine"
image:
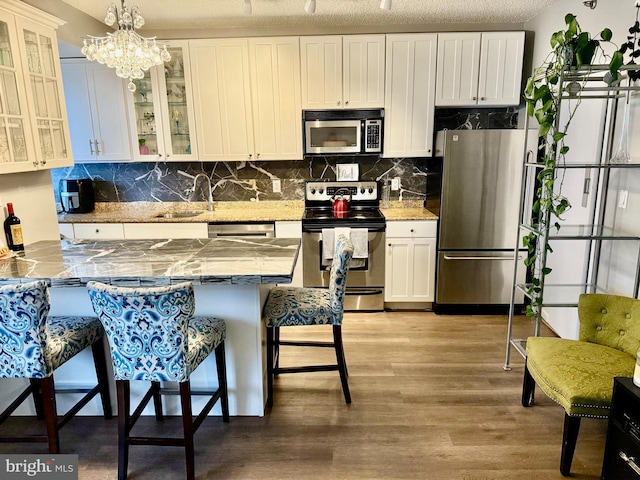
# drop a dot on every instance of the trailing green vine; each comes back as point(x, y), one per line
point(570, 48)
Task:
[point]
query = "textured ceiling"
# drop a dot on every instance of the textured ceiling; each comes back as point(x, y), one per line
point(198, 14)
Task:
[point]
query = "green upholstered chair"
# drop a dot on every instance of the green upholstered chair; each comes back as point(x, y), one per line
point(578, 374)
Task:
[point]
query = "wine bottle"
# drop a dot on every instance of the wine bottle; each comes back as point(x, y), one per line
point(13, 230)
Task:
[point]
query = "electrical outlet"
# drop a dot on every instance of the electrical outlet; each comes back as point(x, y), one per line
point(395, 183)
point(622, 199)
point(277, 188)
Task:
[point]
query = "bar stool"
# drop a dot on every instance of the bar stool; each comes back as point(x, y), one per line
point(291, 306)
point(153, 336)
point(33, 346)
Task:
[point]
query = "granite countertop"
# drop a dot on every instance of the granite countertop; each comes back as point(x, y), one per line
point(225, 261)
point(152, 212)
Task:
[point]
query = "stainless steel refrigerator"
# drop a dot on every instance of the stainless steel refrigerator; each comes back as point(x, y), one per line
point(481, 177)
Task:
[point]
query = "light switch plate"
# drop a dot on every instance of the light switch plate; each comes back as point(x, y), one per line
point(395, 183)
point(276, 186)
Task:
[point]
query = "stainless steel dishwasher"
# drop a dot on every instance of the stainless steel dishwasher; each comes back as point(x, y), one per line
point(233, 229)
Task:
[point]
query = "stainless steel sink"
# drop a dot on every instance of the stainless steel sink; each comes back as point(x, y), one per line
point(178, 214)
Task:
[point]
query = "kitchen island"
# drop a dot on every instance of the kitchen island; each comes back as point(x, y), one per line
point(231, 277)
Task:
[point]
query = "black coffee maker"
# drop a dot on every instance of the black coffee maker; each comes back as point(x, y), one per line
point(76, 195)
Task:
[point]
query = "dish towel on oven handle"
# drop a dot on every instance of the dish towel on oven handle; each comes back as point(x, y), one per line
point(358, 236)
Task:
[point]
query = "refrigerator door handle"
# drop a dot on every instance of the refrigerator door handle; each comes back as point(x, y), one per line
point(448, 257)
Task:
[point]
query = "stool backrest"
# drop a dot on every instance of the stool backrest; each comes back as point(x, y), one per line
point(23, 313)
point(146, 329)
point(610, 320)
point(338, 278)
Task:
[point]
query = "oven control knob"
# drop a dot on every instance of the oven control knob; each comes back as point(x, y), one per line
point(321, 191)
point(313, 191)
point(362, 191)
point(370, 190)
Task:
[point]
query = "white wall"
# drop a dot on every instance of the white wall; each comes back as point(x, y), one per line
point(618, 268)
point(34, 204)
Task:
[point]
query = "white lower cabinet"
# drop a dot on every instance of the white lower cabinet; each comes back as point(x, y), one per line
point(98, 231)
point(144, 231)
point(410, 262)
point(292, 230)
point(133, 231)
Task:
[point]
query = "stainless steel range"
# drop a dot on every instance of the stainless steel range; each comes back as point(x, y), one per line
point(365, 225)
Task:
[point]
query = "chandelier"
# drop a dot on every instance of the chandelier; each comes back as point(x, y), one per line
point(126, 51)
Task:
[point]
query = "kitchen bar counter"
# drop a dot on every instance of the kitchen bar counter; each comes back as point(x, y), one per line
point(231, 278)
point(273, 211)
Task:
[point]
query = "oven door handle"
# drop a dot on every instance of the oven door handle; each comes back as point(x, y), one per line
point(359, 291)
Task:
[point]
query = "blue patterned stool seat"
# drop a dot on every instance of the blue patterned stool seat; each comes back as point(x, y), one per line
point(153, 336)
point(290, 306)
point(68, 336)
point(33, 346)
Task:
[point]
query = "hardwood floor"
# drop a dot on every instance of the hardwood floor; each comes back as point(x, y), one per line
point(430, 401)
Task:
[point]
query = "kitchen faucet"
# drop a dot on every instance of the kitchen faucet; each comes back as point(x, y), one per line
point(210, 199)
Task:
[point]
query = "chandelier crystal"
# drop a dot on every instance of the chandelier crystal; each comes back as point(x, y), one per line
point(126, 51)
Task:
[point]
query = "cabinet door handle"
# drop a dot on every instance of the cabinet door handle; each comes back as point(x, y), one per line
point(631, 461)
point(475, 98)
point(250, 155)
point(97, 147)
point(338, 102)
point(35, 164)
point(97, 230)
point(347, 102)
point(482, 99)
point(257, 155)
point(43, 162)
point(411, 230)
point(91, 146)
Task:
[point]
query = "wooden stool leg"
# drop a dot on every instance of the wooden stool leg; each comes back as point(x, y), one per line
point(187, 424)
point(37, 398)
point(528, 388)
point(569, 439)
point(221, 365)
point(157, 400)
point(47, 387)
point(122, 387)
point(342, 366)
point(276, 346)
point(270, 353)
point(100, 361)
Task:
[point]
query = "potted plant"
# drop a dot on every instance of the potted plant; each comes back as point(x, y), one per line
point(571, 48)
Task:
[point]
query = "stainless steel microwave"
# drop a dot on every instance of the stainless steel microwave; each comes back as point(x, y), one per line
point(343, 132)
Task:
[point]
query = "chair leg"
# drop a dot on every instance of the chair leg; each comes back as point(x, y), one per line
point(569, 439)
point(271, 333)
point(342, 365)
point(187, 424)
point(528, 388)
point(157, 400)
point(37, 398)
point(124, 400)
point(221, 365)
point(47, 387)
point(100, 361)
point(276, 346)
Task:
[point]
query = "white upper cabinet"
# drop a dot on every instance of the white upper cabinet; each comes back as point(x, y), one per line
point(275, 85)
point(222, 98)
point(409, 95)
point(162, 110)
point(97, 108)
point(247, 97)
point(501, 68)
point(343, 71)
point(34, 132)
point(483, 69)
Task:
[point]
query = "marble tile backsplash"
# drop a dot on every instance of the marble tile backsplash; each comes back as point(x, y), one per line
point(247, 181)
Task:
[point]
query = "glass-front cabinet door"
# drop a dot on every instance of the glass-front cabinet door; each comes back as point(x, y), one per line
point(163, 110)
point(44, 88)
point(16, 143)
